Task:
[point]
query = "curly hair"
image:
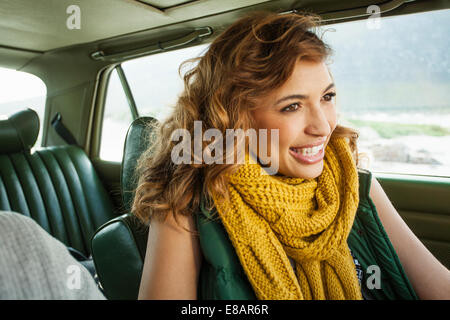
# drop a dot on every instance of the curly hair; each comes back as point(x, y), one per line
point(254, 55)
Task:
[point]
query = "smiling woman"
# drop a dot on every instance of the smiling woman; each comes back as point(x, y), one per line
point(307, 99)
point(298, 234)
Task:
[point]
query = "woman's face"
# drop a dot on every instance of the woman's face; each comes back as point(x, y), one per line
point(303, 110)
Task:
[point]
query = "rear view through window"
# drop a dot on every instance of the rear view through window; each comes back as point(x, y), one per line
point(396, 91)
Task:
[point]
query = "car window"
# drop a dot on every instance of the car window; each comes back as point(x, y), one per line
point(117, 117)
point(392, 85)
point(154, 83)
point(19, 91)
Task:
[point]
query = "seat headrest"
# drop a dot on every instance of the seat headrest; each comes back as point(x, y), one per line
point(19, 132)
point(139, 137)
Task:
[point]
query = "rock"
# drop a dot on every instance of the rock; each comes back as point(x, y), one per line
point(396, 152)
point(422, 157)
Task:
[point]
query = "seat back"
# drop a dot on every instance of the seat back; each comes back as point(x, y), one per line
point(139, 137)
point(119, 246)
point(56, 186)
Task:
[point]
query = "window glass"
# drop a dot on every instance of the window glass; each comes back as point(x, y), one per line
point(155, 82)
point(19, 91)
point(116, 120)
point(392, 85)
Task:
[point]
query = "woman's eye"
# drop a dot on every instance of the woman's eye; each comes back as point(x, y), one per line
point(329, 96)
point(291, 107)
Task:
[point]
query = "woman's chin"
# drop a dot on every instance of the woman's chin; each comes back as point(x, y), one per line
point(305, 171)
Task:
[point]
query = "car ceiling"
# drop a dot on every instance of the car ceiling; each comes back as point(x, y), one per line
point(41, 25)
point(29, 27)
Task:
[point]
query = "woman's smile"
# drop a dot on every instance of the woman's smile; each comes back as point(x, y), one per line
point(309, 155)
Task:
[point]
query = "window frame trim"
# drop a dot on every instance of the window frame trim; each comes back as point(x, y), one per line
point(128, 92)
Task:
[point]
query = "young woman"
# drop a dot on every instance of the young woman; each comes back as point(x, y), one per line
point(298, 234)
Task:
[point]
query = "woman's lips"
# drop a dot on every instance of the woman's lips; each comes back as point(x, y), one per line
point(308, 159)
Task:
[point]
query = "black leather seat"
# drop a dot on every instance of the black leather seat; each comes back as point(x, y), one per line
point(119, 246)
point(56, 186)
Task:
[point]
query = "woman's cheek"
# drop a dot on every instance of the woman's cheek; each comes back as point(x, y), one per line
point(332, 117)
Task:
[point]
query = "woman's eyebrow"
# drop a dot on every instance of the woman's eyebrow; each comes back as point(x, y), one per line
point(302, 96)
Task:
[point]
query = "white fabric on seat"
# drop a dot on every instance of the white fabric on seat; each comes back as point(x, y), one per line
point(34, 265)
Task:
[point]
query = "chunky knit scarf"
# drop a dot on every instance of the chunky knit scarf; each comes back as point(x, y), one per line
point(269, 218)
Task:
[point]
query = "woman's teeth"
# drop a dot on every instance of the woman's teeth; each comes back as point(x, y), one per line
point(308, 151)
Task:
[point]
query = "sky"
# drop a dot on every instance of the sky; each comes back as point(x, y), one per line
point(14, 84)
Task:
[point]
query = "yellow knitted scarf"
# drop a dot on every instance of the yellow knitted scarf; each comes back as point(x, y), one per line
point(269, 218)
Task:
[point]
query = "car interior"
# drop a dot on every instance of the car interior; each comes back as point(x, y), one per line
point(84, 200)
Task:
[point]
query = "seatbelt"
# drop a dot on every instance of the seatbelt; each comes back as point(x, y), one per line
point(61, 129)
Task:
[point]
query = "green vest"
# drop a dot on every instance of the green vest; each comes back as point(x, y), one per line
point(222, 276)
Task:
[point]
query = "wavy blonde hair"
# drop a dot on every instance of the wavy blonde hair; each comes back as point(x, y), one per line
point(253, 56)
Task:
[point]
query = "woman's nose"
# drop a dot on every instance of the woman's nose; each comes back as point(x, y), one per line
point(317, 122)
